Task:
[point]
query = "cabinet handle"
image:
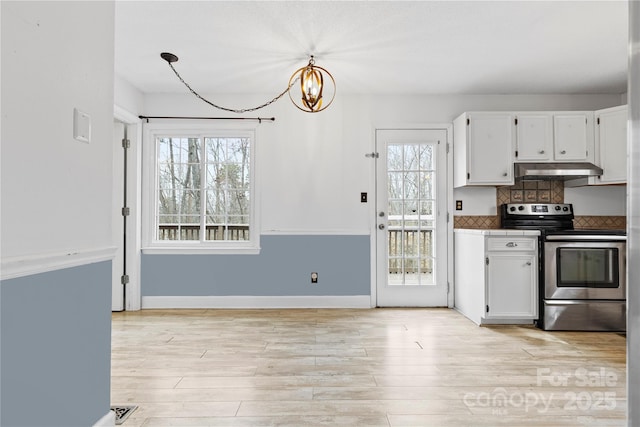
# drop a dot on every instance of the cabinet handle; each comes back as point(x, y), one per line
point(563, 152)
point(511, 245)
point(541, 152)
point(504, 174)
point(528, 262)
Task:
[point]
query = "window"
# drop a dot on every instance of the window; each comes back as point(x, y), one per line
point(203, 190)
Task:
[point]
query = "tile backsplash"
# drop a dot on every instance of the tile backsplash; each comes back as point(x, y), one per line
point(531, 192)
point(488, 222)
point(600, 222)
point(536, 192)
point(481, 222)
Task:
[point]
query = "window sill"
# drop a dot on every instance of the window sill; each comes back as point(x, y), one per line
point(199, 250)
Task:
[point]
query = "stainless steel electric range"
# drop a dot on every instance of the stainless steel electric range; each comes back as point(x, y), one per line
point(582, 272)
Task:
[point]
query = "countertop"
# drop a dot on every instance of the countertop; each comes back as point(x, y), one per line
point(497, 232)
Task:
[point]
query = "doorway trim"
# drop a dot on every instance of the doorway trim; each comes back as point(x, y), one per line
point(448, 127)
point(134, 237)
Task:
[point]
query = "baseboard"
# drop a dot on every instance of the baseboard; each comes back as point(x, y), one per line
point(108, 420)
point(346, 301)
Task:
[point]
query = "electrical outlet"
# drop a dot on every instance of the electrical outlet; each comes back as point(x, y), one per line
point(314, 277)
point(363, 197)
point(458, 205)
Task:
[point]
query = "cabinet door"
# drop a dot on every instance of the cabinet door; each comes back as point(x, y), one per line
point(611, 138)
point(491, 142)
point(573, 137)
point(512, 287)
point(534, 137)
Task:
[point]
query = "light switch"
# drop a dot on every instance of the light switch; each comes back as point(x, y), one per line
point(81, 126)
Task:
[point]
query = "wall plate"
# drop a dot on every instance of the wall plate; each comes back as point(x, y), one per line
point(81, 126)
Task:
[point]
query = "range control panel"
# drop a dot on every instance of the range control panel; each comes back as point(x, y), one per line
point(538, 209)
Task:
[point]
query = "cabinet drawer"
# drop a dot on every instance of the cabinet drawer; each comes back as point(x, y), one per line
point(514, 244)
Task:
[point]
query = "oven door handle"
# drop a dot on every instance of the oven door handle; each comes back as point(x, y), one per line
point(608, 238)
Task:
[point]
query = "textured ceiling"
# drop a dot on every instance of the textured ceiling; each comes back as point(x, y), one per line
point(377, 47)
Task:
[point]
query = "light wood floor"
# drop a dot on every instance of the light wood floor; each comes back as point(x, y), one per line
point(378, 367)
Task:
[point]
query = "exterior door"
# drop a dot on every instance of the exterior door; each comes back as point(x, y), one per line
point(411, 210)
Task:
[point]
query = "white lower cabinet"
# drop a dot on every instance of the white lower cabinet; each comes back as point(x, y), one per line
point(511, 280)
point(496, 275)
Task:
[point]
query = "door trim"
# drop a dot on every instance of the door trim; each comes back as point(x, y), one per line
point(448, 127)
point(134, 236)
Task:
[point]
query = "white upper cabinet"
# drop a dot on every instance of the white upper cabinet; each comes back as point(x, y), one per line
point(484, 146)
point(534, 136)
point(611, 141)
point(555, 136)
point(573, 136)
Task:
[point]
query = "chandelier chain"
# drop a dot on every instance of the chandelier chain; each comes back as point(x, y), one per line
point(232, 110)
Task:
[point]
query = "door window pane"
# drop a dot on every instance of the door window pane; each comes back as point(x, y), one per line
point(411, 199)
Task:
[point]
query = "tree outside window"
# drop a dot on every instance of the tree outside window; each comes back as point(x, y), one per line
point(203, 188)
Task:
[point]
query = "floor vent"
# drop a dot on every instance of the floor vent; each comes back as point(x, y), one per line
point(122, 413)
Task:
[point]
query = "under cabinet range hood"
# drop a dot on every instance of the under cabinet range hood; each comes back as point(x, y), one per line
point(560, 171)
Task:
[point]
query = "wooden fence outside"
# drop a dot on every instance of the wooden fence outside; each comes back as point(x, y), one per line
point(192, 232)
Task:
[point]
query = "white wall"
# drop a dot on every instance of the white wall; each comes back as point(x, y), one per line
point(56, 207)
point(633, 221)
point(126, 96)
point(476, 200)
point(598, 200)
point(312, 166)
point(56, 191)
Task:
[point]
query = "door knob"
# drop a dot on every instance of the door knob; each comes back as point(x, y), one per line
point(381, 226)
point(381, 214)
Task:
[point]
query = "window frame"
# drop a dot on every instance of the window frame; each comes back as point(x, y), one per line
point(152, 245)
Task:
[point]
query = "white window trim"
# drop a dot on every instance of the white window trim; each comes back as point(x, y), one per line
point(149, 175)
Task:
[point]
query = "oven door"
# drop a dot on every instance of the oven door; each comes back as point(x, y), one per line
point(585, 270)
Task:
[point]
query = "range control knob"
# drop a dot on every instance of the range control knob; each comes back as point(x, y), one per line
point(565, 209)
point(512, 208)
point(557, 207)
point(520, 208)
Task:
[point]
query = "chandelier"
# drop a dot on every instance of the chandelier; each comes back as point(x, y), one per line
point(317, 88)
